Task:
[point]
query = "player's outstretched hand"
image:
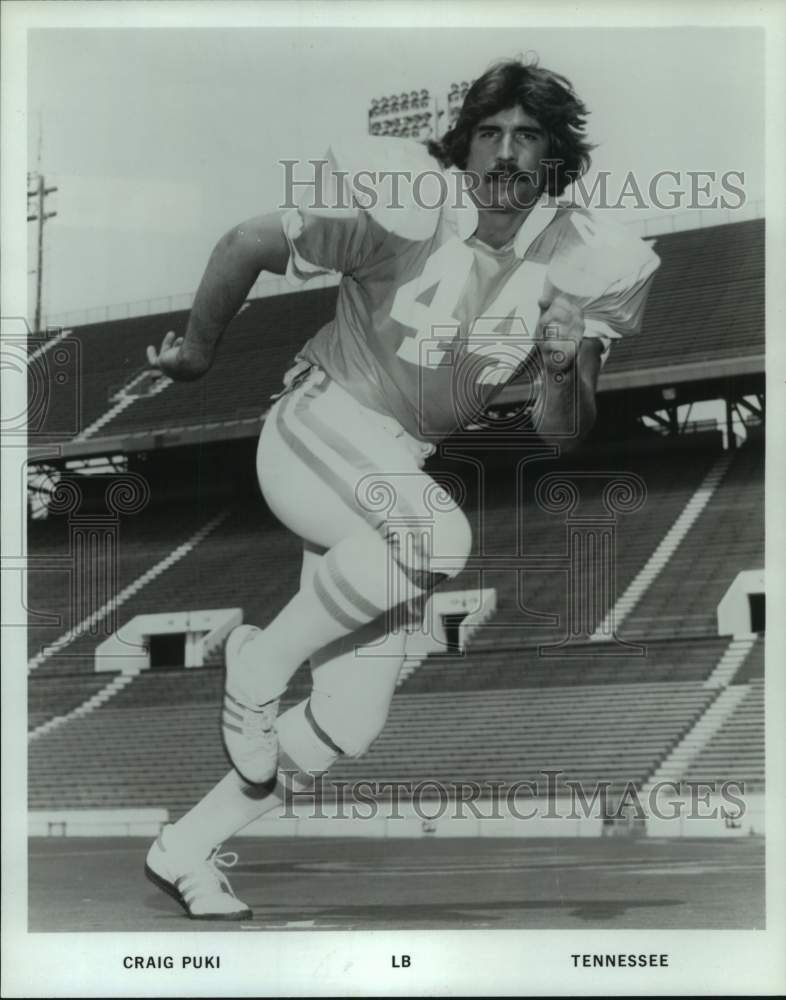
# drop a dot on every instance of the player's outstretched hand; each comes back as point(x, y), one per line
point(171, 359)
point(559, 332)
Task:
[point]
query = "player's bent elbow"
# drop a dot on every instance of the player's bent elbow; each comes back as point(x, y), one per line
point(192, 365)
point(257, 243)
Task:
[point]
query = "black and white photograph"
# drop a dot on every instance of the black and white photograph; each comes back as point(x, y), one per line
point(390, 485)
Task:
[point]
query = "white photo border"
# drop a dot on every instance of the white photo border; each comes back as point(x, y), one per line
point(703, 962)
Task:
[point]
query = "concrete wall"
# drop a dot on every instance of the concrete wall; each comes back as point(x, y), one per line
point(536, 818)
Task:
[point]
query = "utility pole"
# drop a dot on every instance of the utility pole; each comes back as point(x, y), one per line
point(39, 193)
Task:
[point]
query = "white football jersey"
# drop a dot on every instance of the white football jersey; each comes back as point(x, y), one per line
point(430, 322)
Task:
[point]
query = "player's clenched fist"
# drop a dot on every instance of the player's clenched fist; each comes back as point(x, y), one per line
point(171, 359)
point(559, 332)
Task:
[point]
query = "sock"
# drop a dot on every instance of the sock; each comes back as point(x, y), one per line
point(227, 808)
point(356, 582)
point(232, 804)
point(224, 811)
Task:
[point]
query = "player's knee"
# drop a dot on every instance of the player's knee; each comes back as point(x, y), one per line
point(453, 543)
point(351, 726)
point(314, 733)
point(436, 552)
point(444, 551)
point(305, 750)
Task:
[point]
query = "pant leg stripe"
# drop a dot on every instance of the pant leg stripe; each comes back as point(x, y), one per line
point(333, 438)
point(336, 441)
point(319, 731)
point(259, 710)
point(334, 610)
point(345, 588)
point(345, 449)
point(339, 486)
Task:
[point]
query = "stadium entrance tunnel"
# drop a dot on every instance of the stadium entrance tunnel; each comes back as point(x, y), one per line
point(168, 650)
point(757, 607)
point(167, 639)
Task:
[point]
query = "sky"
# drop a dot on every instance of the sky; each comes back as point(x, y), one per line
point(159, 140)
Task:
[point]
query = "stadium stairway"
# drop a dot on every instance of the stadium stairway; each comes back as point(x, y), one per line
point(752, 667)
point(676, 556)
point(48, 696)
point(726, 538)
point(100, 697)
point(696, 739)
point(264, 337)
point(59, 560)
point(532, 606)
point(737, 652)
point(129, 394)
point(508, 712)
point(736, 750)
point(157, 743)
point(119, 599)
point(719, 740)
point(641, 708)
point(92, 363)
point(48, 345)
point(666, 548)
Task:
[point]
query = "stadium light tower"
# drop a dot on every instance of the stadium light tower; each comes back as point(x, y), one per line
point(416, 114)
point(409, 115)
point(455, 99)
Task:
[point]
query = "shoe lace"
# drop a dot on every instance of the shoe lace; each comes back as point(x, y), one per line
point(209, 876)
point(259, 726)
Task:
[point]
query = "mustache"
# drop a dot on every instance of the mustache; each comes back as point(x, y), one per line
point(506, 172)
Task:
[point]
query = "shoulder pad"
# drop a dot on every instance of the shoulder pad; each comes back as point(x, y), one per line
point(597, 253)
point(397, 181)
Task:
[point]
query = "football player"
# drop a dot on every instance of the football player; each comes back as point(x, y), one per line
point(441, 302)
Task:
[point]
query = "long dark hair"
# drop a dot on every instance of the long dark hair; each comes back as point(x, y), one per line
point(548, 97)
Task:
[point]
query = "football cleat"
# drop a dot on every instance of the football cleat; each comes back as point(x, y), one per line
point(201, 887)
point(248, 729)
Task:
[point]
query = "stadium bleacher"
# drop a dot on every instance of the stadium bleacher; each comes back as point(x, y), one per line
point(142, 541)
point(231, 567)
point(668, 661)
point(753, 666)
point(264, 338)
point(53, 695)
point(524, 594)
point(737, 751)
point(709, 287)
point(706, 295)
point(726, 539)
point(507, 709)
point(137, 750)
